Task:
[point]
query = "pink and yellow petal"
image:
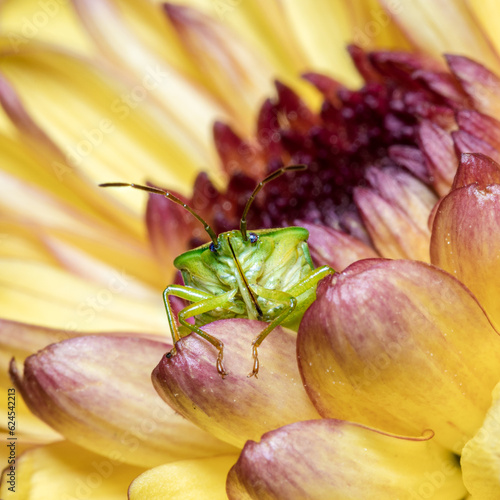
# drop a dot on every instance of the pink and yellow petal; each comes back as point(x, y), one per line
point(465, 242)
point(237, 407)
point(481, 455)
point(65, 470)
point(387, 340)
point(97, 392)
point(342, 460)
point(184, 480)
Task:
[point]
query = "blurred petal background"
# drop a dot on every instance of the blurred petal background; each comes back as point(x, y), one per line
point(127, 90)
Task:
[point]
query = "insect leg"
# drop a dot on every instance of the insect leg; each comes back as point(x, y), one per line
point(305, 293)
point(204, 302)
point(288, 300)
point(310, 280)
point(182, 292)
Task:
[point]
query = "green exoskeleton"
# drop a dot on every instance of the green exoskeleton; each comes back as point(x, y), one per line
point(267, 274)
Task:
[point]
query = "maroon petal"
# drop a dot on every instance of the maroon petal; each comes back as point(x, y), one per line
point(476, 168)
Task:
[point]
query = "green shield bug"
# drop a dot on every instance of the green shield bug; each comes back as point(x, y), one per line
point(266, 274)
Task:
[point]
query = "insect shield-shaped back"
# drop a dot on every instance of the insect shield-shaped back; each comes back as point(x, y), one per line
point(266, 275)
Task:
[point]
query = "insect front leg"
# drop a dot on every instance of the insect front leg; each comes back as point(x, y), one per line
point(183, 292)
point(305, 293)
point(289, 302)
point(204, 302)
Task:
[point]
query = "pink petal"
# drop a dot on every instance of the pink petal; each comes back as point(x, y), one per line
point(468, 143)
point(439, 154)
point(482, 86)
point(335, 248)
point(480, 125)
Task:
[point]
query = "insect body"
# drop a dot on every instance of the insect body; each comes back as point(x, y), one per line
point(266, 275)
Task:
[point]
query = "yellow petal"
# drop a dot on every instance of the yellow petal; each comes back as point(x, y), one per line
point(488, 14)
point(423, 23)
point(184, 480)
point(20, 242)
point(241, 79)
point(66, 471)
point(97, 392)
point(481, 455)
point(263, 26)
point(51, 21)
point(373, 25)
point(188, 109)
point(324, 46)
point(114, 132)
point(335, 459)
point(50, 297)
point(45, 164)
point(97, 261)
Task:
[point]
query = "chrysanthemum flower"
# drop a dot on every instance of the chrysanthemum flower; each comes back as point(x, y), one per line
point(389, 388)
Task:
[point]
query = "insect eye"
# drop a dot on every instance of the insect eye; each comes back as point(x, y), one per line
point(213, 248)
point(252, 237)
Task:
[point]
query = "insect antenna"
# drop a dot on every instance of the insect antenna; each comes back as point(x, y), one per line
point(260, 185)
point(170, 197)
